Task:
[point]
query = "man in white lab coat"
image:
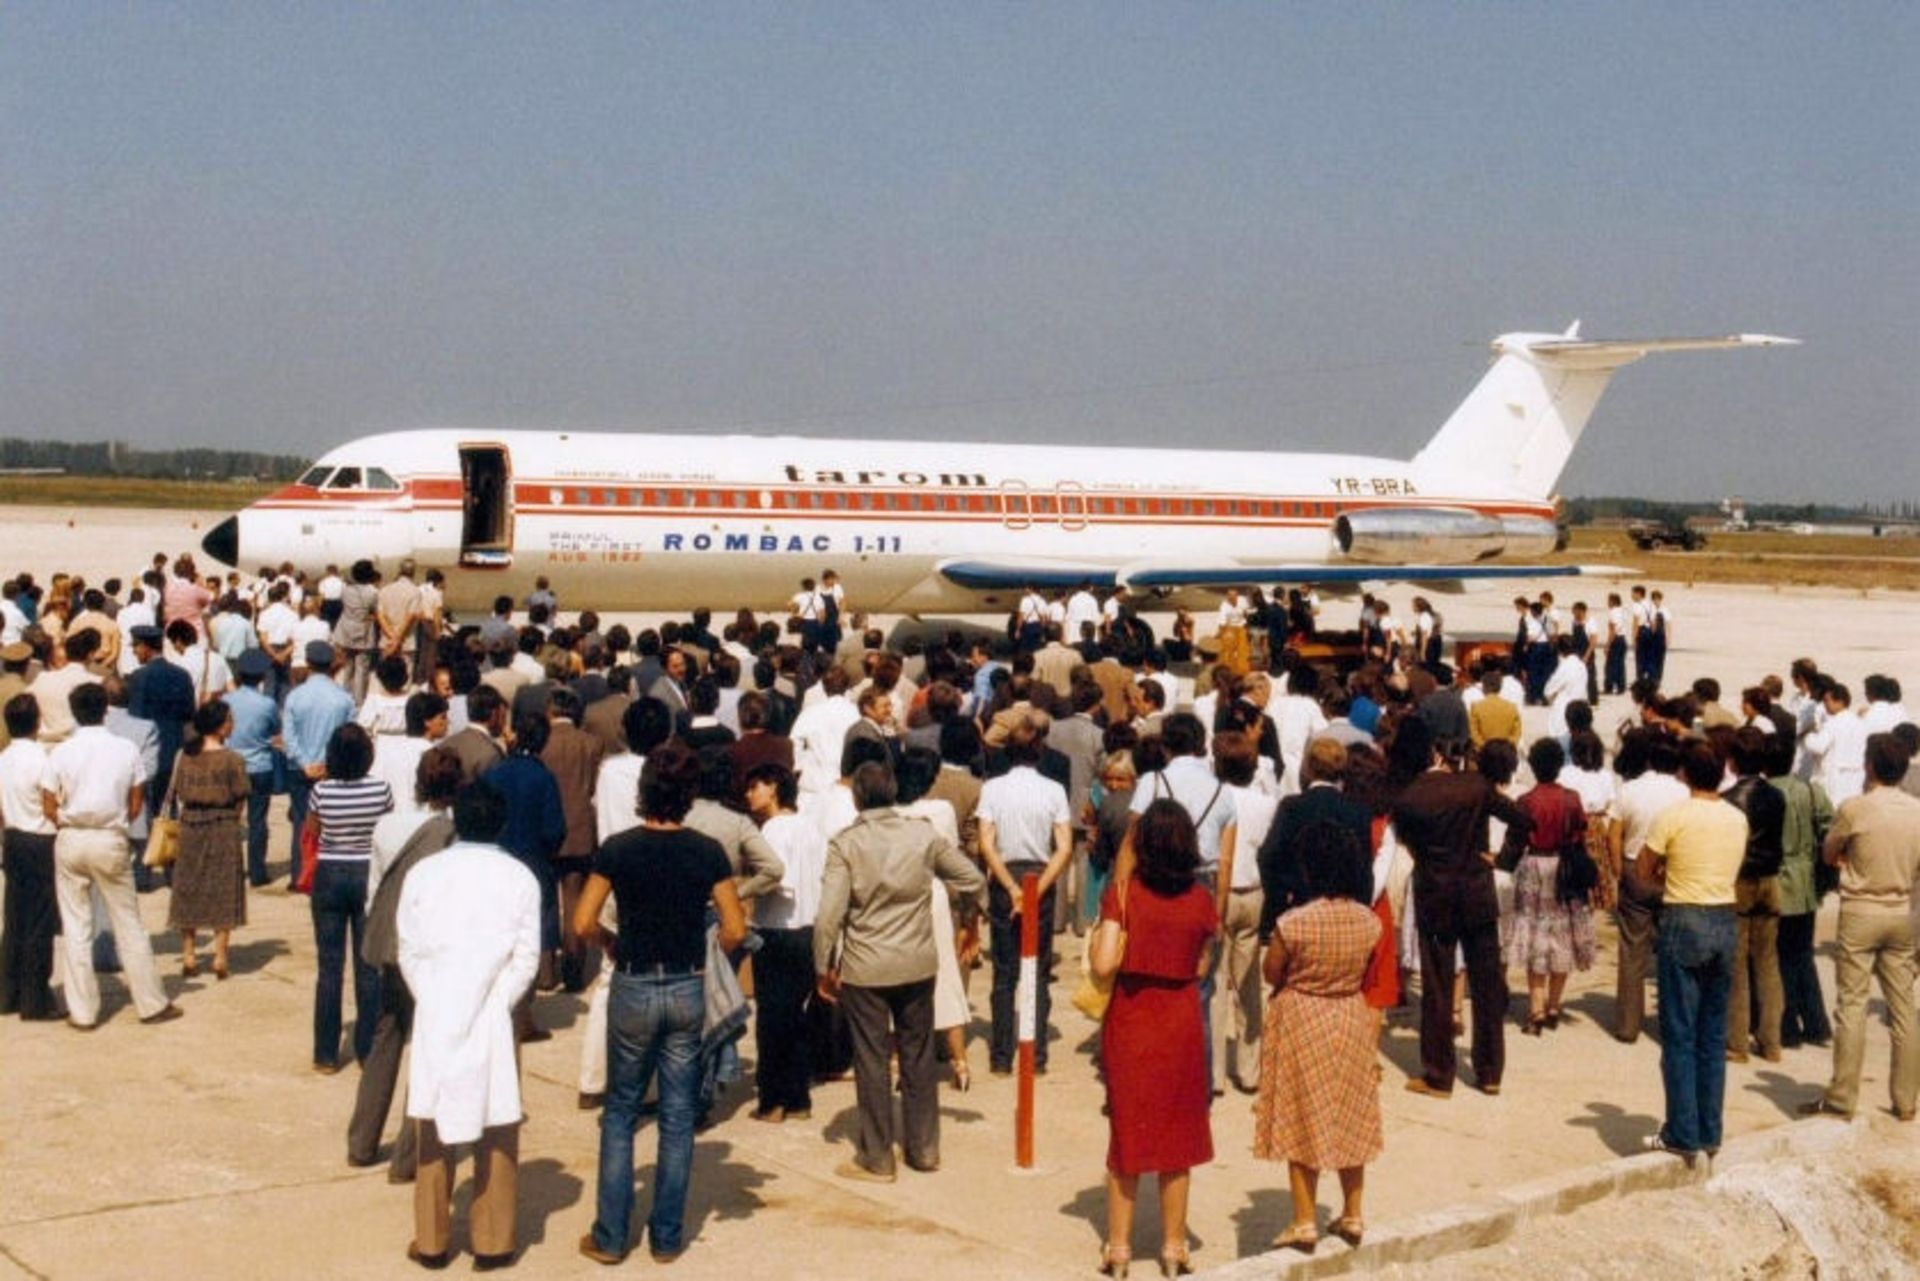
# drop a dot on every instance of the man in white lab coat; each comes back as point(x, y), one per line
point(469, 928)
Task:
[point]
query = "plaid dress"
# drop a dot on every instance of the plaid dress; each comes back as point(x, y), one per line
point(1319, 1100)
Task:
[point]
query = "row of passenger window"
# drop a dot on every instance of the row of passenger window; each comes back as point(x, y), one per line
point(1015, 503)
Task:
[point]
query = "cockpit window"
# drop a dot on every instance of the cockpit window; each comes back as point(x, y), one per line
point(345, 478)
point(377, 478)
point(316, 476)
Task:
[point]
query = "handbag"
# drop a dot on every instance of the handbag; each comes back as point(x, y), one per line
point(1094, 993)
point(309, 858)
point(163, 834)
point(1577, 876)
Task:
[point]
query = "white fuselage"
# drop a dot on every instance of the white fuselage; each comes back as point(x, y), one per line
point(673, 522)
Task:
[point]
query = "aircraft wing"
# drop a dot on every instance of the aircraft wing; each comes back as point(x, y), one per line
point(1013, 573)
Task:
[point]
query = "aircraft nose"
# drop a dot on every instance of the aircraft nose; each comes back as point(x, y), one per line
point(223, 542)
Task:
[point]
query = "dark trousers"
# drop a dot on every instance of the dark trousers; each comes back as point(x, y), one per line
point(258, 799)
point(783, 983)
point(1803, 1017)
point(340, 912)
point(1539, 668)
point(1756, 1003)
point(1616, 682)
point(1645, 661)
point(32, 920)
point(1004, 941)
point(1638, 917)
point(877, 1017)
point(1486, 983)
point(378, 1076)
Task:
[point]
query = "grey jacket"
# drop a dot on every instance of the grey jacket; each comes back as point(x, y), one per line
point(752, 858)
point(876, 898)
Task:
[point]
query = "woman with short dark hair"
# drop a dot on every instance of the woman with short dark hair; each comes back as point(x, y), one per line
point(1552, 934)
point(1319, 1105)
point(342, 811)
point(1154, 940)
point(210, 876)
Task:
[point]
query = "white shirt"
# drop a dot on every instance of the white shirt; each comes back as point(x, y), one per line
point(23, 766)
point(1023, 805)
point(305, 632)
point(1232, 613)
point(616, 794)
point(1296, 719)
point(1033, 608)
point(1840, 747)
point(383, 714)
point(469, 928)
point(832, 811)
point(1617, 621)
point(332, 587)
point(92, 774)
point(12, 623)
point(806, 606)
point(819, 733)
point(50, 689)
point(276, 624)
point(1190, 781)
point(1594, 786)
point(1081, 608)
point(396, 761)
point(133, 614)
point(1253, 810)
point(1567, 684)
point(1881, 717)
point(390, 836)
point(1639, 802)
point(211, 675)
point(802, 847)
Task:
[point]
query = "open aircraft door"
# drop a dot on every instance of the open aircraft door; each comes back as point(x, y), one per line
point(486, 511)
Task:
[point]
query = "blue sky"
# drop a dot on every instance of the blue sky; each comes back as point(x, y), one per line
point(1232, 225)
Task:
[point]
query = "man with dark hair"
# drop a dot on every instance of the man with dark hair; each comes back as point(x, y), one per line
point(1282, 855)
point(876, 913)
point(256, 724)
point(468, 929)
point(32, 919)
point(1809, 816)
point(1441, 818)
point(573, 757)
point(1646, 763)
point(91, 791)
point(1025, 829)
point(1694, 852)
point(1875, 842)
point(479, 746)
point(1756, 958)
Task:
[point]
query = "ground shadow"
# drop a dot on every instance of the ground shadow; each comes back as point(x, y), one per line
point(558, 1011)
point(1622, 1131)
point(1781, 1090)
point(1260, 1220)
point(1089, 1205)
point(1401, 1045)
point(546, 1188)
point(722, 1188)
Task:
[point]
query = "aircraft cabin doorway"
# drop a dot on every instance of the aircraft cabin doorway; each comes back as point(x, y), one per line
point(486, 517)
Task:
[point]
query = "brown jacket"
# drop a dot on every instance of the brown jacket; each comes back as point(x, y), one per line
point(574, 756)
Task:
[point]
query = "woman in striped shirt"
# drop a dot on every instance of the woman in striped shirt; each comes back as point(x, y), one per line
point(344, 808)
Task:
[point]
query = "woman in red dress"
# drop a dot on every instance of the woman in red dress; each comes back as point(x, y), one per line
point(1153, 1044)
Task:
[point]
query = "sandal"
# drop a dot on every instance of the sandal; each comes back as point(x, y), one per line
point(1349, 1228)
point(1175, 1262)
point(1303, 1237)
point(1114, 1260)
point(962, 1078)
point(1533, 1025)
point(189, 967)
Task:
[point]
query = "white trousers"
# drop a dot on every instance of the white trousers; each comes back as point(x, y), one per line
point(86, 860)
point(593, 1050)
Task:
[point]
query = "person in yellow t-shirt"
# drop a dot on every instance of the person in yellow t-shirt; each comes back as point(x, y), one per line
point(1695, 848)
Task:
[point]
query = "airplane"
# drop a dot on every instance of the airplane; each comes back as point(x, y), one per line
point(659, 522)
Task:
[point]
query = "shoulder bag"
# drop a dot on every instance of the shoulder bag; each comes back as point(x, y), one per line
point(163, 834)
point(1095, 994)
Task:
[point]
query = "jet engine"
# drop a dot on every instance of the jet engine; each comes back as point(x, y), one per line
point(1421, 536)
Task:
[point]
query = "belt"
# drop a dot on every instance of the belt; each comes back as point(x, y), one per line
point(1246, 889)
point(637, 970)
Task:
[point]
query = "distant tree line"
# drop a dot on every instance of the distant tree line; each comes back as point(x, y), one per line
point(111, 458)
point(1585, 511)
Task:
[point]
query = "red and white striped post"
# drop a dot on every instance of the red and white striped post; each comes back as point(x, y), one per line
point(1026, 1007)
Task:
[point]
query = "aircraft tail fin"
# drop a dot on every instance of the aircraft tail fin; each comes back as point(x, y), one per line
point(1525, 416)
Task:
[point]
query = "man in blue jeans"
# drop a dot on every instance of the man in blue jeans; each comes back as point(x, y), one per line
point(256, 723)
point(1695, 849)
point(663, 875)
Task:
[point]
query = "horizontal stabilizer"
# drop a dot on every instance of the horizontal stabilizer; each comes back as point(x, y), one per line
point(1013, 573)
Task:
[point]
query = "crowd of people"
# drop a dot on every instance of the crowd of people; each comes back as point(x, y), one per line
point(1261, 862)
